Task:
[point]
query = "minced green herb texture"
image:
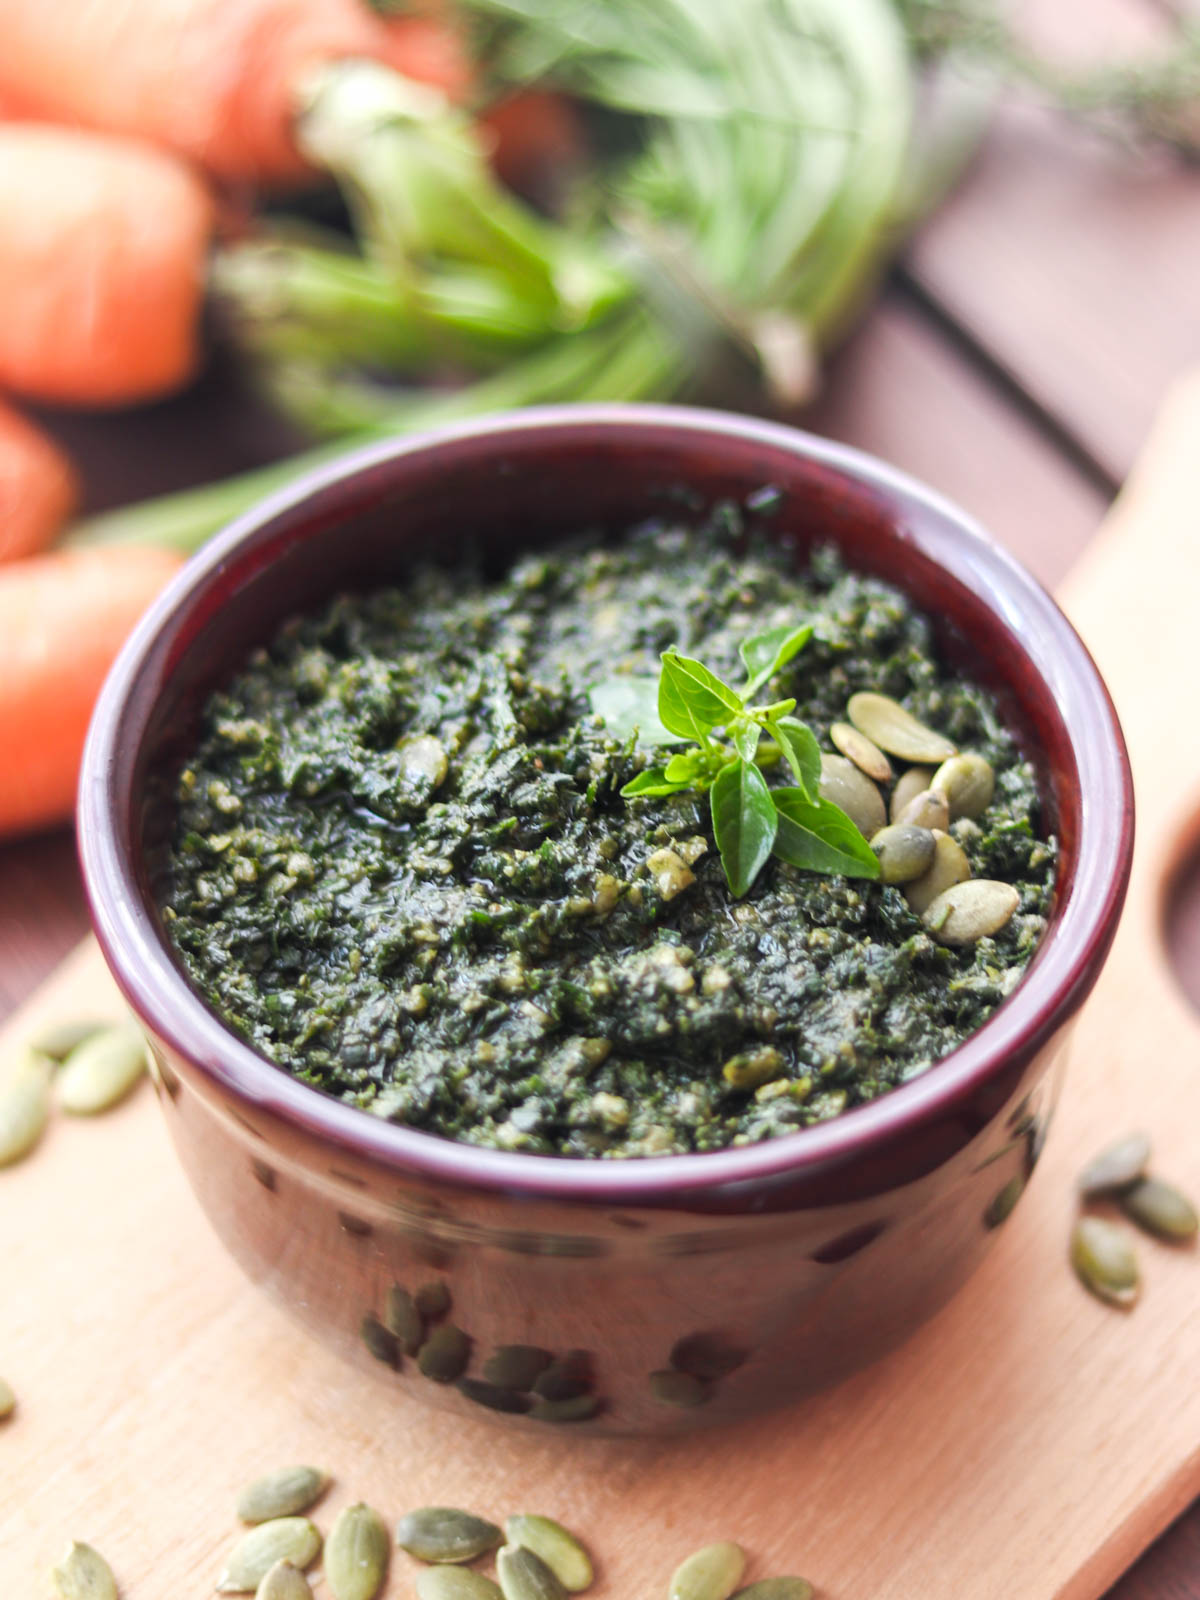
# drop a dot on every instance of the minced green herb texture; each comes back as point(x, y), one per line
point(403, 869)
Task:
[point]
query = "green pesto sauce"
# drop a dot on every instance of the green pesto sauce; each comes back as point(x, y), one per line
point(402, 870)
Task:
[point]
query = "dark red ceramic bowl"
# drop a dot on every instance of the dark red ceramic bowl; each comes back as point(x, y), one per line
point(760, 1273)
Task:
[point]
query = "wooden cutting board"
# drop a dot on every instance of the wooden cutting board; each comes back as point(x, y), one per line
point(1027, 1444)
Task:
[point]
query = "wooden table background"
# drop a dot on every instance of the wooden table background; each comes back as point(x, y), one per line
point(1014, 360)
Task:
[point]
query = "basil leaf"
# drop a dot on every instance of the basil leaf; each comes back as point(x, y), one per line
point(744, 822)
point(686, 767)
point(629, 706)
point(763, 654)
point(691, 699)
point(745, 735)
point(654, 781)
point(819, 836)
point(799, 744)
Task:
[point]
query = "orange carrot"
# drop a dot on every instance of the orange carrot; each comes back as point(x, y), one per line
point(211, 79)
point(537, 141)
point(102, 261)
point(430, 50)
point(63, 617)
point(38, 488)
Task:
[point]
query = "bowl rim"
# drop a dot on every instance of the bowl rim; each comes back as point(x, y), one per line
point(1067, 962)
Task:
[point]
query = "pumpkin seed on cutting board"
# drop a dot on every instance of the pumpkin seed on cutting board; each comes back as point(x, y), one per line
point(24, 1104)
point(712, 1573)
point(1104, 1259)
point(895, 730)
point(356, 1554)
point(284, 1582)
point(560, 1550)
point(455, 1583)
point(777, 1589)
point(1117, 1166)
point(282, 1493)
point(1161, 1209)
point(443, 1533)
point(101, 1071)
point(58, 1039)
point(525, 1576)
point(293, 1539)
point(8, 1399)
point(83, 1574)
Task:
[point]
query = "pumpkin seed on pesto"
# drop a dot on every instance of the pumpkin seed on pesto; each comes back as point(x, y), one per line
point(403, 871)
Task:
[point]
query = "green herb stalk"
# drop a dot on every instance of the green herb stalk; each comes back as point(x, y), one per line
point(731, 740)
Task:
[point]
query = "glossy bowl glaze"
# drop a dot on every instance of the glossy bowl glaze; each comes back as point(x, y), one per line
point(672, 1291)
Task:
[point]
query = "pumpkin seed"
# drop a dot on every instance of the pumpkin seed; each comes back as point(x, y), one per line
point(24, 1105)
point(101, 1071)
point(283, 1582)
point(777, 1589)
point(283, 1493)
point(433, 1300)
point(567, 1377)
point(750, 1069)
point(856, 747)
point(440, 1533)
point(1004, 1203)
point(913, 782)
point(896, 730)
point(491, 1395)
point(968, 783)
point(1160, 1209)
point(905, 851)
point(380, 1341)
point(525, 1576)
point(58, 1039)
point(672, 1388)
point(712, 1573)
point(444, 1355)
point(948, 867)
point(1116, 1167)
point(455, 1583)
point(927, 810)
point(853, 791)
point(356, 1554)
point(402, 1318)
point(1103, 1256)
point(969, 911)
point(516, 1366)
point(8, 1399)
point(83, 1574)
point(423, 763)
point(707, 1355)
point(293, 1539)
point(561, 1551)
point(577, 1408)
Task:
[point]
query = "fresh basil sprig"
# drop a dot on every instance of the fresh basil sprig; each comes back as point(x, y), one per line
point(731, 741)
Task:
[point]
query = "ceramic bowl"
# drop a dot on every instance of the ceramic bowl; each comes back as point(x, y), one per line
point(749, 1276)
